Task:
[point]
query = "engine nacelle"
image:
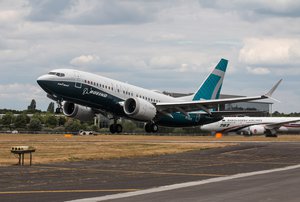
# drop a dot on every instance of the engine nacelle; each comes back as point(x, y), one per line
point(76, 111)
point(139, 109)
point(257, 130)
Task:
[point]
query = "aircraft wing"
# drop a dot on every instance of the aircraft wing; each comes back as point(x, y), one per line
point(206, 105)
point(278, 125)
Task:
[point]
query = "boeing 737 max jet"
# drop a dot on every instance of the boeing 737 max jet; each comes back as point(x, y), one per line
point(81, 95)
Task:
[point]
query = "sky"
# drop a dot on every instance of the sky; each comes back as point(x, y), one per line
point(168, 45)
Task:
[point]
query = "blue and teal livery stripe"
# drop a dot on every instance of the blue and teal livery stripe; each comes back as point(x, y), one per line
point(222, 65)
point(207, 88)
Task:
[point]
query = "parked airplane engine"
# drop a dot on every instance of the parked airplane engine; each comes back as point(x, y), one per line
point(257, 130)
point(76, 111)
point(140, 109)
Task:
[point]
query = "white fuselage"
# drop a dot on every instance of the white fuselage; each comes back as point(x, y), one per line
point(108, 95)
point(238, 124)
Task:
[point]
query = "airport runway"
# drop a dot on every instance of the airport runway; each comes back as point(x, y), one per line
point(77, 180)
point(275, 186)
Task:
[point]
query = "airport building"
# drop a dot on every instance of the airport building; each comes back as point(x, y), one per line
point(263, 108)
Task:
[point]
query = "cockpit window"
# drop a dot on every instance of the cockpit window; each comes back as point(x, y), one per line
point(57, 74)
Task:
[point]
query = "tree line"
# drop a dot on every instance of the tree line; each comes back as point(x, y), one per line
point(47, 122)
point(33, 119)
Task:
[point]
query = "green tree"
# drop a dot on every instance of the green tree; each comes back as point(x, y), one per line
point(35, 124)
point(51, 120)
point(21, 121)
point(50, 108)
point(72, 125)
point(276, 113)
point(61, 120)
point(32, 105)
point(8, 119)
point(39, 117)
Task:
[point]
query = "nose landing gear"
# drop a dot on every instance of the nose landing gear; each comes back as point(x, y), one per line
point(151, 127)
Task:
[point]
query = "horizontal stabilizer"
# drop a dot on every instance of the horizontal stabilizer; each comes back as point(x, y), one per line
point(270, 93)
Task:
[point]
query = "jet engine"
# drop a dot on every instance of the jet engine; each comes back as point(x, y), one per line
point(257, 130)
point(76, 111)
point(139, 109)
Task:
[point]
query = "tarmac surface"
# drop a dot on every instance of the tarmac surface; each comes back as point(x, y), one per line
point(274, 185)
point(85, 179)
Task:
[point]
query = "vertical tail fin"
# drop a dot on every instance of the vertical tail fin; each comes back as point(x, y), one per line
point(211, 87)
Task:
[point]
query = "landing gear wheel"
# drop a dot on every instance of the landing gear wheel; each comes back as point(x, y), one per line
point(154, 128)
point(151, 128)
point(271, 135)
point(58, 110)
point(112, 128)
point(115, 128)
point(119, 128)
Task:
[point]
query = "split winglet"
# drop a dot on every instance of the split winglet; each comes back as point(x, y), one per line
point(270, 93)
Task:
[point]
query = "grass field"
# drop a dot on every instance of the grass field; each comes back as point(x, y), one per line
point(58, 148)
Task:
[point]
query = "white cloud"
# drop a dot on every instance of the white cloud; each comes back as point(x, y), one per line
point(15, 89)
point(258, 70)
point(166, 45)
point(166, 37)
point(8, 15)
point(251, 8)
point(184, 68)
point(165, 61)
point(102, 12)
point(270, 51)
point(85, 60)
point(19, 95)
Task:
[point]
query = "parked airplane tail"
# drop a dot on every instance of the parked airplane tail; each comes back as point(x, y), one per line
point(211, 87)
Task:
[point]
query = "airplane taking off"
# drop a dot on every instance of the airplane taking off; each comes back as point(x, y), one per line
point(81, 95)
point(268, 126)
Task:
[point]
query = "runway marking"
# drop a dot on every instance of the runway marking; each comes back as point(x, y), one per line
point(139, 172)
point(67, 191)
point(183, 185)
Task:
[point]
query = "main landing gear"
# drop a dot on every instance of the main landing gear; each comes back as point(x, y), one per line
point(59, 109)
point(151, 127)
point(115, 127)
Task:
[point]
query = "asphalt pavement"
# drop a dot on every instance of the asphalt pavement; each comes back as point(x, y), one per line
point(85, 179)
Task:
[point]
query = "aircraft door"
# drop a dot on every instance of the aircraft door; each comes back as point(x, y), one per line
point(78, 83)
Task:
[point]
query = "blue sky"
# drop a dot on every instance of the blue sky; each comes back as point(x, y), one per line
point(162, 45)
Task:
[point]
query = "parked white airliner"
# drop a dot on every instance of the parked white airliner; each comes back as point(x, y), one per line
point(268, 126)
point(82, 95)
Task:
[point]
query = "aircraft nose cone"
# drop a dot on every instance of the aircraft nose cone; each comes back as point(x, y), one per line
point(42, 80)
